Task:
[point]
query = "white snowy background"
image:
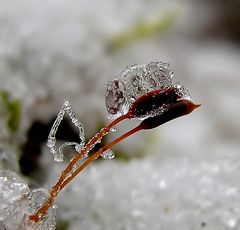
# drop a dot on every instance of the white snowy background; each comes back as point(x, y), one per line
point(183, 175)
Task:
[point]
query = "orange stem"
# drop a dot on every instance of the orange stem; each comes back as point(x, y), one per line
point(57, 187)
point(98, 153)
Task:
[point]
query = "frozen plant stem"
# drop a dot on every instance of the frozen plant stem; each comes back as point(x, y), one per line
point(179, 109)
point(58, 186)
point(151, 96)
point(98, 153)
point(146, 124)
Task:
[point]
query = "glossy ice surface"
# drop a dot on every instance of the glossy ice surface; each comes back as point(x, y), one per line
point(137, 80)
point(17, 202)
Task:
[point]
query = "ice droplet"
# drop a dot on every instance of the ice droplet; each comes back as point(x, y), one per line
point(79, 147)
point(115, 98)
point(133, 82)
point(108, 154)
point(113, 129)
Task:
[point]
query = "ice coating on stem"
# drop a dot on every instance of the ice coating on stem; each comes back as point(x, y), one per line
point(108, 154)
point(137, 80)
point(58, 154)
point(36, 199)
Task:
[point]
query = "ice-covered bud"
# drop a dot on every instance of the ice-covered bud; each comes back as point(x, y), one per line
point(133, 82)
point(180, 108)
point(144, 91)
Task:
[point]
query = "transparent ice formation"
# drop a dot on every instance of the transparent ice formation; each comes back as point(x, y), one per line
point(17, 202)
point(58, 154)
point(108, 154)
point(13, 198)
point(36, 199)
point(135, 81)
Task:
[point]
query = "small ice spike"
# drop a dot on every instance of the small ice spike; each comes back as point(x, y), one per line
point(143, 92)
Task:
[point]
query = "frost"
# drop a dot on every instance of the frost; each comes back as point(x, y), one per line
point(17, 202)
point(13, 198)
point(150, 194)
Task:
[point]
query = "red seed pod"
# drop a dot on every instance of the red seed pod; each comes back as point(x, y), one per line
point(153, 103)
point(180, 108)
point(134, 82)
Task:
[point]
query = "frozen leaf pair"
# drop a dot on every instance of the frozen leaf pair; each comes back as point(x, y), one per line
point(144, 92)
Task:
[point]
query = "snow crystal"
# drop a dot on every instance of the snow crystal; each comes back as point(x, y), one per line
point(176, 194)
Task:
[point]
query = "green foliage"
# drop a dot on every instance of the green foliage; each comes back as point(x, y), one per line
point(62, 225)
point(142, 30)
point(12, 108)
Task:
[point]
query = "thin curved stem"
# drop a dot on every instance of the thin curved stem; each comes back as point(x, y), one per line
point(98, 153)
point(87, 147)
point(57, 187)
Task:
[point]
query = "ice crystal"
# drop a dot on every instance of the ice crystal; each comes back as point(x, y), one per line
point(108, 155)
point(58, 154)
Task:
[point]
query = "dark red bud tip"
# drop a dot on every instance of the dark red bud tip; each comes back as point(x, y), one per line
point(178, 109)
point(196, 106)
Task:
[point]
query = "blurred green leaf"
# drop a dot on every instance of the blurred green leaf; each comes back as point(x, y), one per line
point(62, 225)
point(12, 108)
point(142, 30)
